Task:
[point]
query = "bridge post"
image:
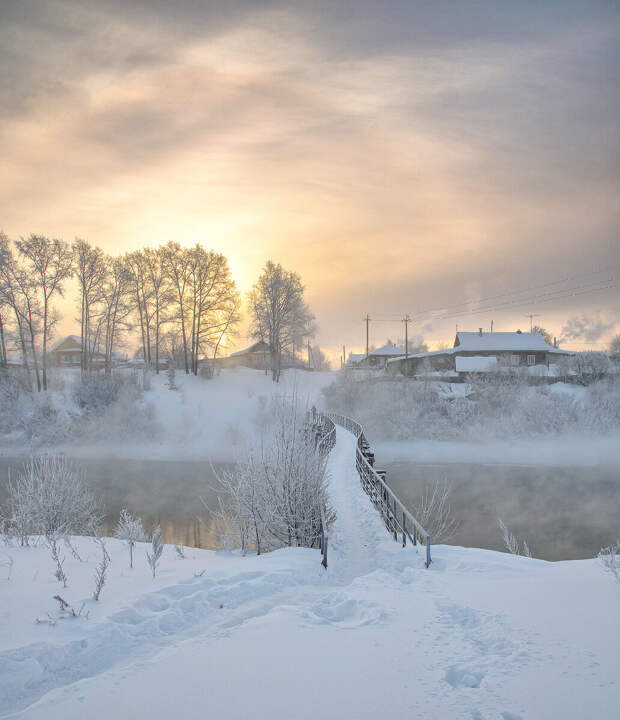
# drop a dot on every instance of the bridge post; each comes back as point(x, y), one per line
point(428, 550)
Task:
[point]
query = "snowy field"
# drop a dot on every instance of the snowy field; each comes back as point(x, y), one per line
point(202, 419)
point(479, 635)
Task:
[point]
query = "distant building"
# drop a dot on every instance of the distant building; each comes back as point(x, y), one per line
point(68, 353)
point(256, 356)
point(378, 358)
point(482, 352)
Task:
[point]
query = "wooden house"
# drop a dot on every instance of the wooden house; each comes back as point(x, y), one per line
point(482, 352)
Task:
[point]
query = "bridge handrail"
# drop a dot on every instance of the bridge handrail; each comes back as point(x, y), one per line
point(395, 515)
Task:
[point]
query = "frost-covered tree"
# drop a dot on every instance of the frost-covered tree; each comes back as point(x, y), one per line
point(278, 313)
point(157, 548)
point(277, 495)
point(101, 570)
point(433, 511)
point(614, 347)
point(130, 530)
point(49, 498)
point(589, 367)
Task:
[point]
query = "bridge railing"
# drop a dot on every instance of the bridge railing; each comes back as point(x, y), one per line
point(398, 520)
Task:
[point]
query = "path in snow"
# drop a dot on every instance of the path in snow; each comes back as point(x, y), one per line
point(353, 534)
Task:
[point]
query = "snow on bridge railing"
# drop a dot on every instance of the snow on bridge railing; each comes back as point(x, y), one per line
point(397, 519)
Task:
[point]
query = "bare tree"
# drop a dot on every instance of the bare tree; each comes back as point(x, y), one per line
point(511, 543)
point(614, 347)
point(160, 294)
point(546, 335)
point(178, 264)
point(19, 293)
point(50, 264)
point(4, 259)
point(116, 305)
point(214, 302)
point(279, 314)
point(90, 268)
point(433, 511)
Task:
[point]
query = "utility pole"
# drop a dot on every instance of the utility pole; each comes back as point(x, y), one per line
point(491, 325)
point(406, 320)
point(344, 357)
point(308, 354)
point(531, 316)
point(367, 318)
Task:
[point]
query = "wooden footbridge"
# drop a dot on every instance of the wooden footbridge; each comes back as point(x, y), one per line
point(400, 523)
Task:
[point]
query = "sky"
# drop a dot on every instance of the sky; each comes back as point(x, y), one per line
point(402, 156)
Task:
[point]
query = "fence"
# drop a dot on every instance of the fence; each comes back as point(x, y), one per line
point(398, 520)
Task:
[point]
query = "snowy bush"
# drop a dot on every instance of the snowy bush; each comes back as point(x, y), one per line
point(157, 548)
point(610, 559)
point(96, 391)
point(277, 495)
point(433, 511)
point(493, 406)
point(130, 530)
point(102, 569)
point(49, 498)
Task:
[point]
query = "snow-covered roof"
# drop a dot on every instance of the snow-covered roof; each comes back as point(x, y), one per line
point(74, 338)
point(503, 341)
point(259, 346)
point(388, 349)
point(356, 357)
point(428, 353)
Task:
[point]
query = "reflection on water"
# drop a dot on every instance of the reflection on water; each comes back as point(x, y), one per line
point(563, 513)
point(164, 492)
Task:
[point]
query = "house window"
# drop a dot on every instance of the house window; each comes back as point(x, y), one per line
point(515, 359)
point(531, 359)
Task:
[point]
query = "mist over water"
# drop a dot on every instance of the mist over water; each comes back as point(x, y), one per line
point(564, 513)
point(158, 491)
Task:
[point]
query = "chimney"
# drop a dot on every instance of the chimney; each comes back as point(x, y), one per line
point(480, 332)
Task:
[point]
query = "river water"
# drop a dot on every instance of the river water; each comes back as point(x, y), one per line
point(562, 512)
point(165, 492)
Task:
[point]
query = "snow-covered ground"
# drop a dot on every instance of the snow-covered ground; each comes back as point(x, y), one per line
point(203, 418)
point(478, 635)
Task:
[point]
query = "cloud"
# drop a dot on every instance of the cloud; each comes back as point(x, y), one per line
point(401, 157)
point(589, 328)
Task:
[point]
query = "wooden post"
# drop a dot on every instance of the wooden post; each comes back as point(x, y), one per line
point(415, 534)
point(404, 529)
point(324, 563)
point(428, 550)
